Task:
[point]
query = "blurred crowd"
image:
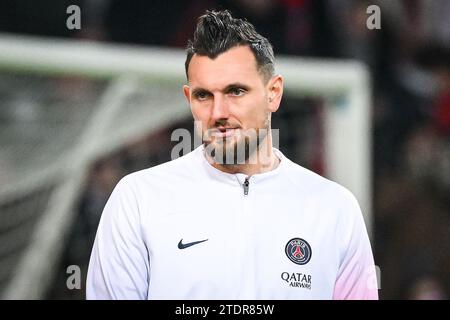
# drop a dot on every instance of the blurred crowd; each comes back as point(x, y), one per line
point(409, 60)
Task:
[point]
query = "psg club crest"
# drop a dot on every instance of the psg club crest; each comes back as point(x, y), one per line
point(298, 251)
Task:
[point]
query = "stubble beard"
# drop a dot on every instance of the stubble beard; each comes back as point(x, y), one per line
point(232, 151)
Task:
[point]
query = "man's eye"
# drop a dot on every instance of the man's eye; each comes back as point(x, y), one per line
point(237, 91)
point(201, 95)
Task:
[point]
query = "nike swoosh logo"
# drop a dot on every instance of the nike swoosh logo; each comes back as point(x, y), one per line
point(182, 245)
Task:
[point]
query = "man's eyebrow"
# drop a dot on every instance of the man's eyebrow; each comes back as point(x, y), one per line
point(236, 85)
point(229, 87)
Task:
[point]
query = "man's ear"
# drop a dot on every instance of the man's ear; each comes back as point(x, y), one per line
point(187, 93)
point(275, 92)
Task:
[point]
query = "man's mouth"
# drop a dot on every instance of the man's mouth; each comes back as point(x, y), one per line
point(222, 132)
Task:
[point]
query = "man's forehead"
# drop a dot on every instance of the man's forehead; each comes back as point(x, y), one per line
point(235, 64)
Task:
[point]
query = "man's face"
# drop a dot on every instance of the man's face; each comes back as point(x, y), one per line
point(230, 98)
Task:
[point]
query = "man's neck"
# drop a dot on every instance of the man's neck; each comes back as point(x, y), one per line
point(262, 160)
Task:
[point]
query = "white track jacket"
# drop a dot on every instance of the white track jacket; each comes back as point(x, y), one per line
point(186, 230)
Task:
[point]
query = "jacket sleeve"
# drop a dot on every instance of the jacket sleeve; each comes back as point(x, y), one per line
point(356, 279)
point(119, 263)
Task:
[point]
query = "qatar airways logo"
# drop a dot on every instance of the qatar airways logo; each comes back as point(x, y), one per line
point(227, 143)
point(297, 280)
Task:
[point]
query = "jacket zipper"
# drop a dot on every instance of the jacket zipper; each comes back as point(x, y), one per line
point(246, 186)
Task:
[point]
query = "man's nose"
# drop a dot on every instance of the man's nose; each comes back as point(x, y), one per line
point(220, 109)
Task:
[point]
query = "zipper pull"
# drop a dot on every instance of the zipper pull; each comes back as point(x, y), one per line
point(246, 185)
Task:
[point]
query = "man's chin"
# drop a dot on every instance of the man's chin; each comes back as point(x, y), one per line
point(221, 147)
point(226, 152)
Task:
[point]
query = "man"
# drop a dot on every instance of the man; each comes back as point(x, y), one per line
point(234, 219)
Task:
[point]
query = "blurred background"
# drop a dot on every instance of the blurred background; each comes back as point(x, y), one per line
point(71, 129)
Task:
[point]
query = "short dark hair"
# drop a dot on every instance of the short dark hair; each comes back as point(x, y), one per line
point(218, 31)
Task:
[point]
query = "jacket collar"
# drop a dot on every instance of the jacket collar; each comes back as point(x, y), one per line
point(239, 178)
